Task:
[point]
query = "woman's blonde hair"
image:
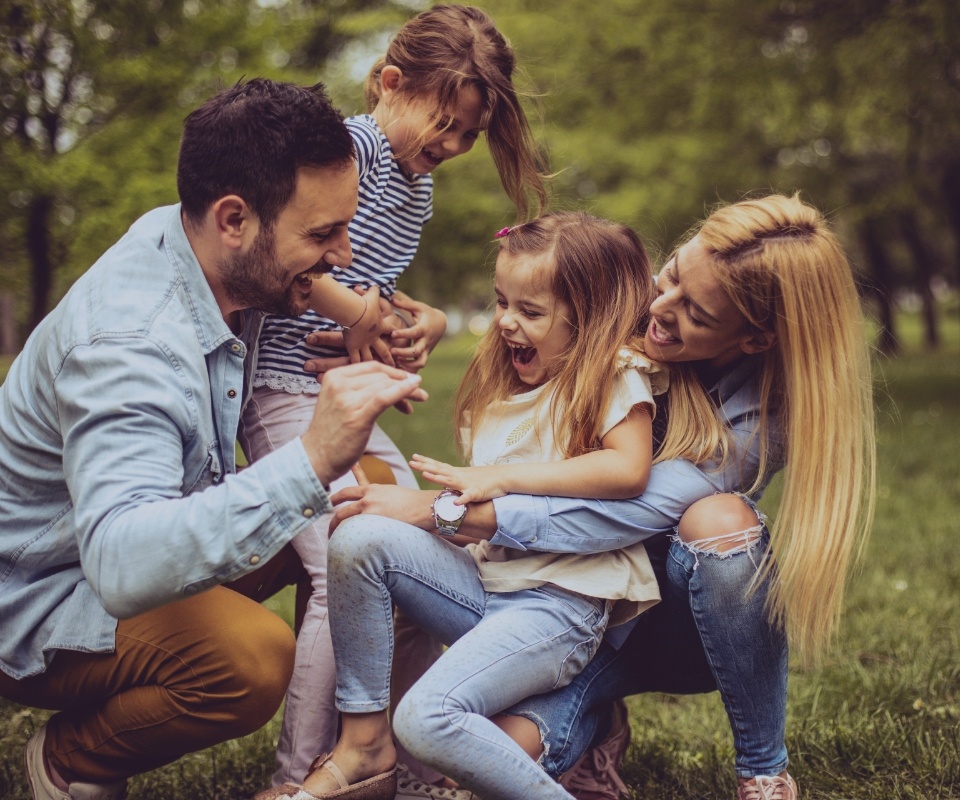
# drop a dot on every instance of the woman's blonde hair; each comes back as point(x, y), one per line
point(447, 48)
point(786, 273)
point(602, 273)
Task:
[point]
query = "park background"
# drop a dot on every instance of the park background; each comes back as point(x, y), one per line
point(650, 113)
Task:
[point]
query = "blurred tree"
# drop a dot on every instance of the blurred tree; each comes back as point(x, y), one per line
point(92, 95)
point(655, 110)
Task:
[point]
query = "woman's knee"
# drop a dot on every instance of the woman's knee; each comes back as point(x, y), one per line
point(720, 523)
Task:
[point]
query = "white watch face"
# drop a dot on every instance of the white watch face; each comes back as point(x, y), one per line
point(447, 510)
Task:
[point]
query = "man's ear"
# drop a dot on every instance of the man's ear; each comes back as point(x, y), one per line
point(758, 342)
point(390, 79)
point(235, 222)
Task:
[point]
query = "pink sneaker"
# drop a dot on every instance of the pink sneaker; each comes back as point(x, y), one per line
point(594, 776)
point(768, 787)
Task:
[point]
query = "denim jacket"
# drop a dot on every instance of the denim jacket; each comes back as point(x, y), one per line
point(118, 484)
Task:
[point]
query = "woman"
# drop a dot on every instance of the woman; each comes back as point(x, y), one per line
point(759, 320)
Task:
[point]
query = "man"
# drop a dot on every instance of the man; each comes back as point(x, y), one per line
point(121, 513)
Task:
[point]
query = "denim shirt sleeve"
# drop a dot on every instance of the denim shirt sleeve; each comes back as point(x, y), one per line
point(145, 538)
point(568, 525)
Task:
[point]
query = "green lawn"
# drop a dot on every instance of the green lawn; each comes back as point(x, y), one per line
point(879, 719)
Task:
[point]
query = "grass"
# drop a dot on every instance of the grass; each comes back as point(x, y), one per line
point(880, 718)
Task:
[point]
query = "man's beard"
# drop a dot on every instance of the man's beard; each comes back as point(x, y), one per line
point(257, 280)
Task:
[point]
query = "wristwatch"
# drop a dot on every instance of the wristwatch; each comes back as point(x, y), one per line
point(446, 514)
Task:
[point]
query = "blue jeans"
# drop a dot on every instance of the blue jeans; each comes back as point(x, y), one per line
point(705, 635)
point(503, 647)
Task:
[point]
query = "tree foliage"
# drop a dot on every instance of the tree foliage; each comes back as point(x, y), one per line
point(650, 112)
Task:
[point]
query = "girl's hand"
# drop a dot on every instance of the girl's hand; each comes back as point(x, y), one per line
point(362, 339)
point(475, 483)
point(429, 325)
point(321, 366)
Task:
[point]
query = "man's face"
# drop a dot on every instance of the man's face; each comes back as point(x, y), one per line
point(308, 237)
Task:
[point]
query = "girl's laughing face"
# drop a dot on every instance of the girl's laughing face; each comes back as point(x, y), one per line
point(532, 322)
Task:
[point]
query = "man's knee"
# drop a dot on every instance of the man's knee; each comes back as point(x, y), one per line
point(258, 653)
point(721, 515)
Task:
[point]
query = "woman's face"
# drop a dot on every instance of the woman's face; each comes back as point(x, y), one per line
point(692, 318)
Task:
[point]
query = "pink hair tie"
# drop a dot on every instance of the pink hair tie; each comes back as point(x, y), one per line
point(502, 232)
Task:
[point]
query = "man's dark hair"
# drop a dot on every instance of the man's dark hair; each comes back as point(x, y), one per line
point(251, 139)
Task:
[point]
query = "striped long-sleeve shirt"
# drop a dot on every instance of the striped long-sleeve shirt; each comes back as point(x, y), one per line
point(384, 236)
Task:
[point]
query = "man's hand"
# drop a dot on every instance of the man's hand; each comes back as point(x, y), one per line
point(350, 400)
point(413, 506)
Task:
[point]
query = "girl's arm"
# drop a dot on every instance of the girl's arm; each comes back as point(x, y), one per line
point(618, 471)
point(359, 314)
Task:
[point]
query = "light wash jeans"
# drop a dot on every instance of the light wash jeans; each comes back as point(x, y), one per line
point(705, 635)
point(310, 718)
point(503, 647)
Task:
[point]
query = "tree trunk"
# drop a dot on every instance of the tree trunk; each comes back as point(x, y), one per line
point(951, 195)
point(879, 286)
point(8, 325)
point(41, 265)
point(923, 270)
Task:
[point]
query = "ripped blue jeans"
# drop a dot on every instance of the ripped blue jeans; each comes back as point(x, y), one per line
point(707, 634)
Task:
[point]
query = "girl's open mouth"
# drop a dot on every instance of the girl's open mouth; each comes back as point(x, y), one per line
point(522, 356)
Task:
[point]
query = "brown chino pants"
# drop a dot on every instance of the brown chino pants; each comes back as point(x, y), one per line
point(183, 677)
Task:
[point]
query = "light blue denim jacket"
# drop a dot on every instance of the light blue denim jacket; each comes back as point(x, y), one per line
point(118, 490)
point(565, 525)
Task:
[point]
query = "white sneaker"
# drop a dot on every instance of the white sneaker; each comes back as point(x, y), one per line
point(43, 788)
point(409, 787)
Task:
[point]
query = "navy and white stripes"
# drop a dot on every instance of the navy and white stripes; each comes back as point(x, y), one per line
point(384, 236)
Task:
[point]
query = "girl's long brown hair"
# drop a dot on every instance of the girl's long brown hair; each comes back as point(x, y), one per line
point(447, 48)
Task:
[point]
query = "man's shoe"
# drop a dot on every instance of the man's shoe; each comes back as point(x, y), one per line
point(410, 787)
point(768, 787)
point(594, 776)
point(42, 786)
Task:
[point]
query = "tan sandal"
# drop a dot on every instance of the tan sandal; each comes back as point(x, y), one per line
point(379, 787)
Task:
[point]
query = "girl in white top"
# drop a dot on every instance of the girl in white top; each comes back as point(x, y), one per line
point(558, 399)
point(445, 80)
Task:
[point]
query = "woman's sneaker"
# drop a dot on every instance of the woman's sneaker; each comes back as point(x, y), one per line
point(595, 776)
point(410, 787)
point(768, 787)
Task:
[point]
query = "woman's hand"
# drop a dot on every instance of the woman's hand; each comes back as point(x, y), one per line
point(362, 340)
point(429, 325)
point(475, 484)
